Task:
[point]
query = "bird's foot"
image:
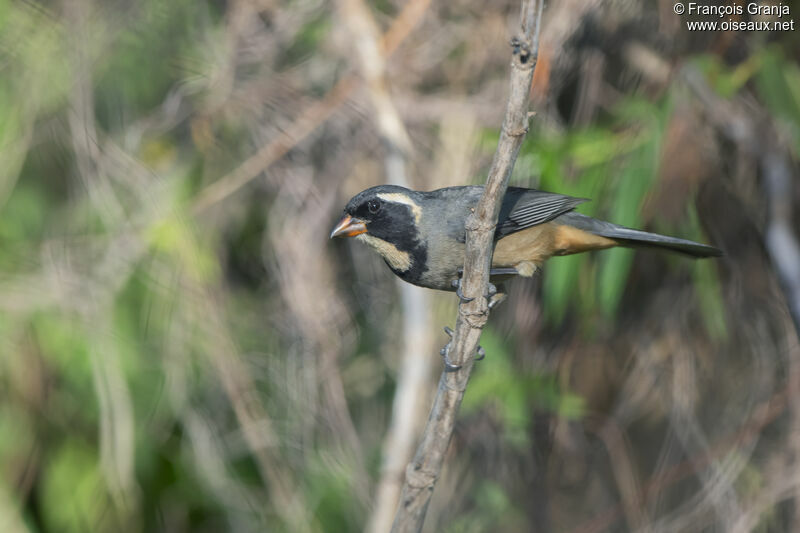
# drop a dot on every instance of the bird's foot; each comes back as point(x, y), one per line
point(457, 284)
point(448, 365)
point(490, 295)
point(496, 300)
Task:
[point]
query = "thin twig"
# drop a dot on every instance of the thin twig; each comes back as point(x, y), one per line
point(423, 472)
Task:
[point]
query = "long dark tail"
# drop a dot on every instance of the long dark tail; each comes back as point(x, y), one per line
point(634, 237)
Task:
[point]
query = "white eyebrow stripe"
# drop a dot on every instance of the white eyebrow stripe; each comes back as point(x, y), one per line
point(400, 198)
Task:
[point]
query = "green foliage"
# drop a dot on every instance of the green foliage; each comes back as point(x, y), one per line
point(707, 287)
point(65, 348)
point(24, 218)
point(775, 77)
point(173, 236)
point(724, 80)
point(778, 82)
point(73, 479)
point(514, 397)
point(493, 511)
point(162, 38)
point(329, 491)
point(36, 67)
point(615, 167)
point(308, 39)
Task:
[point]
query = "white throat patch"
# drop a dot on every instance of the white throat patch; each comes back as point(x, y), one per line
point(400, 261)
point(400, 198)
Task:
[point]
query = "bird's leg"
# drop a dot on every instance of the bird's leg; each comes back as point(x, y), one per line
point(450, 367)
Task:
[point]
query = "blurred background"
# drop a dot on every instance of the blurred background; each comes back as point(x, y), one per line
point(182, 348)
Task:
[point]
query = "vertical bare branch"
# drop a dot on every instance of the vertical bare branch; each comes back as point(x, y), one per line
point(781, 240)
point(784, 251)
point(407, 408)
point(423, 472)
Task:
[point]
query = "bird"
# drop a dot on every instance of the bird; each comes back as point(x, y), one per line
point(421, 235)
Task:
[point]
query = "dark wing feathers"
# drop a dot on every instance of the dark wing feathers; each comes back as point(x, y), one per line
point(523, 208)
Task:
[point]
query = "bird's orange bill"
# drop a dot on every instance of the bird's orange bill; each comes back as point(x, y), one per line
point(349, 227)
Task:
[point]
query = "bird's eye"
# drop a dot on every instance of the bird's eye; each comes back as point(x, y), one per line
point(374, 206)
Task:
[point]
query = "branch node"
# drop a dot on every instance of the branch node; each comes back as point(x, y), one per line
point(518, 132)
point(477, 223)
point(520, 48)
point(418, 478)
point(476, 319)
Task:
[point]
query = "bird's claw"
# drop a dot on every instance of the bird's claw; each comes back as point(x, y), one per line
point(457, 284)
point(448, 365)
point(491, 291)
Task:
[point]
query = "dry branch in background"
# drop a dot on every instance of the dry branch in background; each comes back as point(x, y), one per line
point(407, 407)
point(311, 118)
point(781, 240)
point(423, 472)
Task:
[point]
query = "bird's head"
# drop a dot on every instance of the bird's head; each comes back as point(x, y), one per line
point(387, 218)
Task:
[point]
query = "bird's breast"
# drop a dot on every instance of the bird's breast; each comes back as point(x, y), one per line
point(444, 258)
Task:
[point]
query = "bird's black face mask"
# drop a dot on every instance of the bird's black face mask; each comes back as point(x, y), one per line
point(392, 217)
point(388, 222)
